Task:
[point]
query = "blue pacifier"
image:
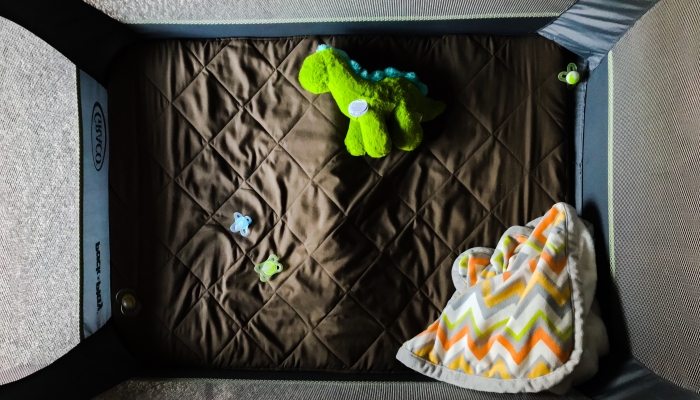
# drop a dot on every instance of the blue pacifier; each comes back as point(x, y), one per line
point(241, 223)
point(269, 267)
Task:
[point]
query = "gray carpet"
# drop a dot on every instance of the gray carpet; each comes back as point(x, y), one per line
point(213, 389)
point(39, 204)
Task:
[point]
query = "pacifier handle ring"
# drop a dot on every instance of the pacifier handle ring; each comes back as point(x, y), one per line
point(237, 215)
point(244, 232)
point(562, 76)
point(247, 218)
point(279, 267)
point(571, 67)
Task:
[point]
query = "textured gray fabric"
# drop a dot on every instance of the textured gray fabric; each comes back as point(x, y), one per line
point(212, 389)
point(279, 11)
point(655, 208)
point(39, 204)
point(592, 27)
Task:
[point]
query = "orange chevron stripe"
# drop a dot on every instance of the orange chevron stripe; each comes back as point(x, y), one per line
point(473, 263)
point(533, 264)
point(544, 224)
point(491, 299)
point(556, 267)
point(506, 275)
point(517, 356)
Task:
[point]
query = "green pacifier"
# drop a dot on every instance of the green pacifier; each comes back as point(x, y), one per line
point(269, 267)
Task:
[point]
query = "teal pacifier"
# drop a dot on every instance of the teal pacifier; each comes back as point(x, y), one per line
point(269, 267)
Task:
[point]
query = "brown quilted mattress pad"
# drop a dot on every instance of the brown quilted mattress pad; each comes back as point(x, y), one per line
point(203, 129)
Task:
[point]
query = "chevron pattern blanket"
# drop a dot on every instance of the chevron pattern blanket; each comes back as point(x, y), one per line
point(515, 322)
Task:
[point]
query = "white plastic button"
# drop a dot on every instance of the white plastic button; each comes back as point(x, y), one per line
point(358, 108)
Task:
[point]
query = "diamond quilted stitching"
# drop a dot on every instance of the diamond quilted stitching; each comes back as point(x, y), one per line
point(154, 103)
point(220, 183)
point(279, 190)
point(346, 266)
point(453, 212)
point(288, 248)
point(348, 331)
point(206, 104)
point(439, 286)
point(517, 53)
point(524, 201)
point(244, 144)
point(494, 81)
point(239, 58)
point(278, 106)
point(207, 328)
point(383, 216)
point(417, 251)
point(528, 141)
point(290, 66)
point(275, 50)
point(274, 317)
point(548, 174)
point(464, 132)
point(313, 354)
point(491, 173)
point(462, 65)
point(311, 292)
point(558, 105)
point(171, 67)
point(214, 191)
point(242, 352)
point(415, 318)
point(381, 355)
point(247, 201)
point(240, 292)
point(424, 176)
point(312, 216)
point(210, 253)
point(184, 290)
point(205, 51)
point(346, 179)
point(173, 141)
point(485, 234)
point(383, 277)
point(313, 141)
point(171, 205)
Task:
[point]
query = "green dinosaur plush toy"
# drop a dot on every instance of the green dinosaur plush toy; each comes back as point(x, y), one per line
point(368, 99)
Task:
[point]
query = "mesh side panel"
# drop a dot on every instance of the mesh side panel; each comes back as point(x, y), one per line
point(211, 389)
point(656, 182)
point(279, 11)
point(39, 204)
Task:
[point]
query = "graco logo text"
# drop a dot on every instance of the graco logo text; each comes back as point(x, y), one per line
point(99, 136)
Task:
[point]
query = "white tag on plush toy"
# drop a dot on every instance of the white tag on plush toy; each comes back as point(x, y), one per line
point(358, 108)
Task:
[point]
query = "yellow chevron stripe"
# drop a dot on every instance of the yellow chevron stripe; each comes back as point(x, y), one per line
point(500, 368)
point(491, 300)
point(425, 350)
point(540, 369)
point(461, 362)
point(539, 278)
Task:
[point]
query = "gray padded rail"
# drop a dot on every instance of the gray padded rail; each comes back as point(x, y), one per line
point(39, 204)
point(212, 389)
point(655, 207)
